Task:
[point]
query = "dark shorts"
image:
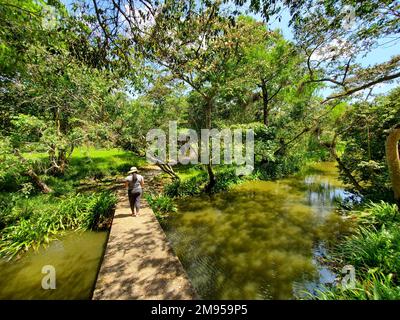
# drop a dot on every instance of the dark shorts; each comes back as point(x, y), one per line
point(134, 199)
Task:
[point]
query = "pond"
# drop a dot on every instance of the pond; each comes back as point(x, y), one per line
point(261, 239)
point(76, 259)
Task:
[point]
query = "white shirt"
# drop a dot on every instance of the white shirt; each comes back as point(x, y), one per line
point(135, 186)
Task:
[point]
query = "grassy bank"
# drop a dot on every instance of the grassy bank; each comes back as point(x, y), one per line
point(29, 219)
point(374, 252)
point(194, 178)
point(30, 223)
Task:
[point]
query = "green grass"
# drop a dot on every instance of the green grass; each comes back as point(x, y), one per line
point(187, 172)
point(88, 163)
point(38, 220)
point(374, 251)
point(29, 219)
point(161, 205)
point(375, 286)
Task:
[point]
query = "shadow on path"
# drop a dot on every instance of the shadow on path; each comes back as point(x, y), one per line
point(139, 263)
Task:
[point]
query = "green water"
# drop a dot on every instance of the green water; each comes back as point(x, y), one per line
point(75, 258)
point(262, 239)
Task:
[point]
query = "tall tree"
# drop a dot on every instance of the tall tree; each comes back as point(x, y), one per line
point(192, 42)
point(52, 96)
point(270, 63)
point(336, 36)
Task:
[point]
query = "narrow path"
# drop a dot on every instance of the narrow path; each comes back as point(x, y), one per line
point(139, 263)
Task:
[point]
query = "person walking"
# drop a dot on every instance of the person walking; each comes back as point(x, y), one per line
point(134, 182)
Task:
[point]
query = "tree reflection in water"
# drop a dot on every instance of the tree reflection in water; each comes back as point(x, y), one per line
point(259, 240)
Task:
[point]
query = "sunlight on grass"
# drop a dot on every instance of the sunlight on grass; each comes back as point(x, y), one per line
point(97, 163)
point(187, 172)
point(102, 162)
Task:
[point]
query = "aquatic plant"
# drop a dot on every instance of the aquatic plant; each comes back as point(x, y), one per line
point(370, 248)
point(374, 251)
point(376, 286)
point(161, 205)
point(45, 221)
point(195, 184)
point(382, 213)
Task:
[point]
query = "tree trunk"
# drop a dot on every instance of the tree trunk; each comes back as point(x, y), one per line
point(332, 149)
point(211, 179)
point(211, 176)
point(35, 178)
point(168, 170)
point(392, 158)
point(38, 182)
point(62, 161)
point(265, 102)
point(348, 173)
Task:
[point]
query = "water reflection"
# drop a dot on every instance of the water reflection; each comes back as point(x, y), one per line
point(260, 240)
point(76, 259)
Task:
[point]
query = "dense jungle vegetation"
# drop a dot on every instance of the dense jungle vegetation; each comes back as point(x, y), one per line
point(83, 82)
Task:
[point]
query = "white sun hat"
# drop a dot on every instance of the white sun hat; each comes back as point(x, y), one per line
point(133, 170)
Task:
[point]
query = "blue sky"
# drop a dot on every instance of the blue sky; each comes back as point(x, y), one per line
point(381, 54)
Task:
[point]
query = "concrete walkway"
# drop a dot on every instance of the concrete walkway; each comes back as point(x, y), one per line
point(139, 262)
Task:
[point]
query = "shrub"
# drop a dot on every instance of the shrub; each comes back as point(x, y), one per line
point(225, 179)
point(101, 206)
point(161, 205)
point(189, 187)
point(7, 202)
point(195, 185)
point(281, 166)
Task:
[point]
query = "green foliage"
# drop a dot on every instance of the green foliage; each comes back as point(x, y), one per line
point(54, 97)
point(154, 109)
point(36, 222)
point(282, 166)
point(162, 205)
point(375, 286)
point(98, 163)
point(226, 178)
point(194, 184)
point(188, 187)
point(372, 248)
point(379, 214)
point(28, 219)
point(272, 159)
point(11, 168)
point(7, 202)
point(376, 244)
point(365, 127)
point(64, 84)
point(374, 251)
point(86, 163)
